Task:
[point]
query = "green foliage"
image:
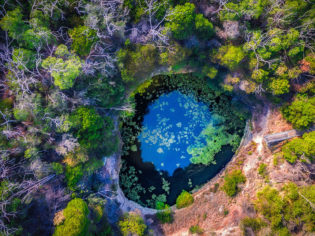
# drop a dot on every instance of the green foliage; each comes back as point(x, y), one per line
point(260, 75)
point(196, 229)
point(301, 112)
point(254, 224)
point(210, 71)
point(129, 182)
point(39, 19)
point(83, 39)
point(216, 137)
point(63, 72)
point(76, 219)
point(270, 204)
point(21, 115)
point(31, 153)
point(92, 130)
point(279, 86)
point(230, 56)
point(13, 23)
point(249, 9)
point(181, 21)
point(310, 59)
point(185, 199)
point(262, 169)
point(104, 92)
point(231, 181)
point(62, 50)
point(137, 62)
point(204, 28)
point(78, 155)
point(24, 58)
point(73, 175)
point(132, 224)
point(164, 214)
point(290, 208)
point(57, 168)
point(37, 37)
point(295, 148)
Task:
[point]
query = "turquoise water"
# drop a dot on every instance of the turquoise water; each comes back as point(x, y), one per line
point(174, 121)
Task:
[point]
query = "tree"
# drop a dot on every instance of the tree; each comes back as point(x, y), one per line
point(301, 112)
point(105, 92)
point(13, 23)
point(132, 224)
point(38, 37)
point(231, 182)
point(299, 147)
point(270, 204)
point(260, 75)
point(24, 58)
point(185, 199)
point(279, 86)
point(181, 21)
point(204, 28)
point(230, 56)
point(83, 39)
point(137, 61)
point(63, 72)
point(292, 208)
point(76, 219)
point(73, 175)
point(92, 130)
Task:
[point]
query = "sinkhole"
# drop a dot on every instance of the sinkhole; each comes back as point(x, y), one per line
point(183, 132)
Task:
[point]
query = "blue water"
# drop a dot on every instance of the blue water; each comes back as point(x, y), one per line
point(174, 122)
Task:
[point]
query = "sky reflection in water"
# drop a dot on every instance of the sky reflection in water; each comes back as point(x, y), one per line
point(173, 122)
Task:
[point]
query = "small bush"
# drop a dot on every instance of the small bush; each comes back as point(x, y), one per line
point(132, 224)
point(262, 169)
point(57, 168)
point(185, 199)
point(165, 213)
point(195, 229)
point(231, 181)
point(76, 220)
point(254, 223)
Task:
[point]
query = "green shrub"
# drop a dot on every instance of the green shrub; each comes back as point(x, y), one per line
point(185, 199)
point(301, 112)
point(254, 223)
point(165, 213)
point(230, 56)
point(231, 182)
point(92, 130)
point(132, 224)
point(181, 21)
point(83, 39)
point(195, 229)
point(57, 168)
point(76, 219)
point(64, 72)
point(295, 148)
point(262, 169)
point(270, 204)
point(73, 175)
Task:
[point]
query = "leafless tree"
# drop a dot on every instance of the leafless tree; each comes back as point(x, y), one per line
point(108, 18)
point(16, 183)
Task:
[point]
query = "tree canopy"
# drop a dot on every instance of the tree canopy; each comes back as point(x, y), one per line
point(76, 219)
